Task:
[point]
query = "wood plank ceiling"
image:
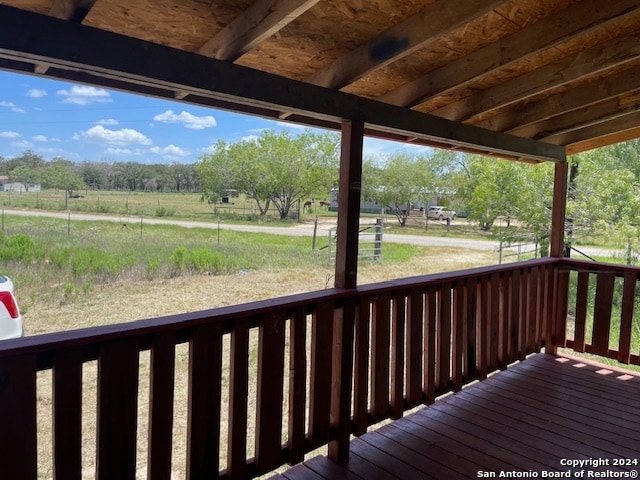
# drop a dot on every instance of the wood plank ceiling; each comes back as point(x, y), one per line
point(563, 72)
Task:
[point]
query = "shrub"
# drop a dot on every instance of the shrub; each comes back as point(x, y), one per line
point(19, 248)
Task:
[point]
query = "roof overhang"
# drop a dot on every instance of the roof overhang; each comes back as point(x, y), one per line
point(38, 44)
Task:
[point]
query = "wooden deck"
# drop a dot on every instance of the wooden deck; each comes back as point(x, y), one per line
point(526, 419)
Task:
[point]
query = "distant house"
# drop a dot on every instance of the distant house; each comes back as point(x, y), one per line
point(366, 206)
point(6, 186)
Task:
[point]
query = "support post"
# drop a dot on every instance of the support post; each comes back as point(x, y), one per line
point(559, 208)
point(346, 277)
point(559, 279)
point(349, 188)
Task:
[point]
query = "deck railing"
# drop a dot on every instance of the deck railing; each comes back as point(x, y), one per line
point(602, 305)
point(270, 381)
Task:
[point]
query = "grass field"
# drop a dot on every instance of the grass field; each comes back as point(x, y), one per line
point(98, 273)
point(89, 273)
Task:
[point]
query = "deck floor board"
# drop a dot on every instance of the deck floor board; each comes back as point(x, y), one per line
point(526, 418)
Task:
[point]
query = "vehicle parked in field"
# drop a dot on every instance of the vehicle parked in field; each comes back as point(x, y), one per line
point(10, 318)
point(438, 212)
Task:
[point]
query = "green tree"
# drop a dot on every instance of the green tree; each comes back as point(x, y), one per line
point(94, 175)
point(60, 176)
point(25, 175)
point(397, 181)
point(275, 168)
point(606, 199)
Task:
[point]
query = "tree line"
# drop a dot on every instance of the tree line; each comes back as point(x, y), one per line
point(280, 169)
point(32, 169)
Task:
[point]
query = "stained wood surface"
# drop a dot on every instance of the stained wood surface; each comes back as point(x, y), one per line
point(528, 417)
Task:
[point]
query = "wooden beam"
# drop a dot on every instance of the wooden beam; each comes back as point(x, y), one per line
point(260, 21)
point(136, 65)
point(585, 117)
point(349, 188)
point(589, 62)
point(436, 19)
point(604, 140)
point(580, 97)
point(614, 131)
point(72, 10)
point(542, 35)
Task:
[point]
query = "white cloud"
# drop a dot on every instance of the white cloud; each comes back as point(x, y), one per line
point(187, 119)
point(12, 106)
point(36, 93)
point(170, 152)
point(250, 138)
point(117, 138)
point(9, 134)
point(51, 151)
point(82, 95)
point(107, 121)
point(39, 138)
point(118, 151)
point(22, 144)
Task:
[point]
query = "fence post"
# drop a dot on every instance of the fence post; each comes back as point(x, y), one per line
point(377, 244)
point(315, 231)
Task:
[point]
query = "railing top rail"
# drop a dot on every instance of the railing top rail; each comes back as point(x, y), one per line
point(86, 337)
point(432, 279)
point(594, 267)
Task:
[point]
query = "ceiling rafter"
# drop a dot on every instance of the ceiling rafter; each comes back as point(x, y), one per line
point(258, 22)
point(621, 128)
point(584, 117)
point(589, 62)
point(602, 89)
point(605, 139)
point(540, 36)
point(72, 10)
point(403, 39)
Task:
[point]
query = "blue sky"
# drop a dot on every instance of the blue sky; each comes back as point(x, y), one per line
point(78, 122)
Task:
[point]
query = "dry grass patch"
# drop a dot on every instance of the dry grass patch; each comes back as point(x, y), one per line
point(128, 301)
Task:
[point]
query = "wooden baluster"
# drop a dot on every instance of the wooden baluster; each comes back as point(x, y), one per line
point(443, 372)
point(471, 343)
point(415, 309)
point(582, 295)
point(547, 324)
point(504, 330)
point(626, 316)
point(18, 442)
point(205, 375)
point(397, 354)
point(429, 383)
point(530, 323)
point(343, 349)
point(118, 365)
point(494, 321)
point(361, 368)
point(297, 386)
point(321, 359)
point(238, 394)
point(457, 344)
point(483, 327)
point(67, 415)
point(562, 305)
point(602, 313)
point(514, 331)
point(161, 393)
point(380, 356)
point(270, 393)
